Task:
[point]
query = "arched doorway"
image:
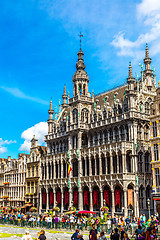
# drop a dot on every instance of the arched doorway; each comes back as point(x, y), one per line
point(86, 198)
point(107, 196)
point(66, 198)
point(58, 197)
point(51, 198)
point(118, 198)
point(96, 198)
point(130, 197)
point(44, 198)
point(75, 197)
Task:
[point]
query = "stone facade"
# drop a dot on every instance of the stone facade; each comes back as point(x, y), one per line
point(105, 139)
point(155, 149)
point(33, 173)
point(12, 181)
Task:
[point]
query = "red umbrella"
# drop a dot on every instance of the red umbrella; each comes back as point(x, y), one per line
point(85, 212)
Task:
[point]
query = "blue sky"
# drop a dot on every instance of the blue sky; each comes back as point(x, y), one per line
point(38, 51)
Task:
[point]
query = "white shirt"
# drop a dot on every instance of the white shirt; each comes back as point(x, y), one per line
point(27, 237)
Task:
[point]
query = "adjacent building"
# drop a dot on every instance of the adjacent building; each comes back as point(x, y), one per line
point(33, 173)
point(155, 148)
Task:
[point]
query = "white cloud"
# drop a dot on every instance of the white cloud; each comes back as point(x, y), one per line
point(148, 15)
point(19, 94)
point(3, 149)
point(39, 130)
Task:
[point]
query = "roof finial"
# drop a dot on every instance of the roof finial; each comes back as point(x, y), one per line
point(130, 71)
point(147, 51)
point(80, 35)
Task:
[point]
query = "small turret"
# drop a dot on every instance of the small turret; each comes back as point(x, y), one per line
point(147, 61)
point(34, 142)
point(130, 79)
point(51, 111)
point(64, 96)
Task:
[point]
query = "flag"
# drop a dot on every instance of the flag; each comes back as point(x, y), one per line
point(81, 35)
point(69, 168)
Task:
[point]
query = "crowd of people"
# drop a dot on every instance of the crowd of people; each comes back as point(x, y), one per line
point(117, 227)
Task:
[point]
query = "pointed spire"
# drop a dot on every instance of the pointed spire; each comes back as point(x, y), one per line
point(50, 111)
point(64, 96)
point(147, 61)
point(130, 79)
point(147, 51)
point(130, 75)
point(64, 90)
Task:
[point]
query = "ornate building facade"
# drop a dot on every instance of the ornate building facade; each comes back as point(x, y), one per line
point(155, 149)
point(33, 173)
point(12, 181)
point(105, 139)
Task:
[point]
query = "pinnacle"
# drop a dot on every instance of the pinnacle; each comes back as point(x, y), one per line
point(147, 51)
point(130, 75)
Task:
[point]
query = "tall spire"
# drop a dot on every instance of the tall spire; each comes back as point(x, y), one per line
point(130, 75)
point(64, 96)
point(50, 111)
point(147, 61)
point(147, 51)
point(130, 79)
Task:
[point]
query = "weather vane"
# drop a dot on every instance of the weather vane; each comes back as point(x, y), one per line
point(80, 35)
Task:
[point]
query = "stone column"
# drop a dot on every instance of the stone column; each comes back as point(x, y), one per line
point(91, 200)
point(47, 205)
point(40, 201)
point(47, 168)
point(113, 202)
point(90, 166)
point(100, 164)
point(54, 205)
point(101, 197)
point(111, 162)
point(62, 204)
point(80, 199)
point(125, 203)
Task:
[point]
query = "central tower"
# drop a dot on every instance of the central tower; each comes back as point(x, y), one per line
point(80, 78)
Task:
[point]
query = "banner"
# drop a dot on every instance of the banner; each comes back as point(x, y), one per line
point(58, 198)
point(130, 197)
point(118, 197)
point(95, 197)
point(75, 198)
point(85, 198)
point(106, 197)
point(44, 197)
point(51, 198)
point(66, 197)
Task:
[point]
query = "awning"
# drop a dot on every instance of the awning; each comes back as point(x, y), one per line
point(27, 205)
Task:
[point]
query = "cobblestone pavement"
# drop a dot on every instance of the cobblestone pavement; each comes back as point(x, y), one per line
point(50, 236)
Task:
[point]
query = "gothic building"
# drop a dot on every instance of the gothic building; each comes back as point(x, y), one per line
point(105, 138)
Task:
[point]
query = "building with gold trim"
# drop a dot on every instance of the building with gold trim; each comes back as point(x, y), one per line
point(105, 139)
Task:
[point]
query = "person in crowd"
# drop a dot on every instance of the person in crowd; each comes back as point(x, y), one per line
point(115, 235)
point(126, 236)
point(93, 233)
point(80, 237)
point(75, 235)
point(102, 236)
point(42, 235)
point(27, 236)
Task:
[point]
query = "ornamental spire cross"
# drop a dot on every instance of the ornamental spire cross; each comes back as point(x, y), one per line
point(80, 35)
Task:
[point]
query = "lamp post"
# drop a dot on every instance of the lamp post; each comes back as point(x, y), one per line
point(149, 207)
point(104, 203)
